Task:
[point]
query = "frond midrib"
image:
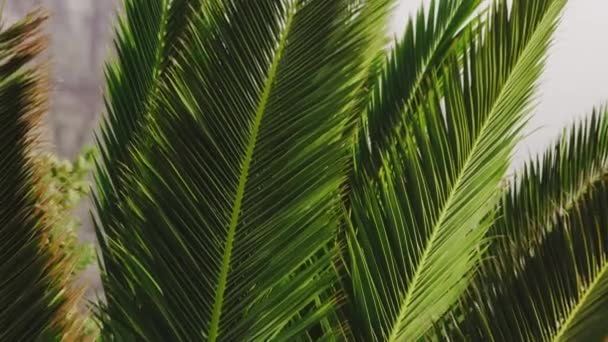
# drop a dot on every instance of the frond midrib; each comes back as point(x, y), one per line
point(157, 69)
point(246, 164)
point(456, 185)
point(431, 240)
point(571, 316)
point(558, 208)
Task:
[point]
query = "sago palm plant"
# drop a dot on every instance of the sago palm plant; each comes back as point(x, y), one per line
point(37, 301)
point(274, 170)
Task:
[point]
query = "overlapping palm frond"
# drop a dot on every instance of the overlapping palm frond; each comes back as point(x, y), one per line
point(35, 298)
point(416, 231)
point(553, 184)
point(406, 76)
point(228, 203)
point(148, 37)
point(546, 278)
point(132, 78)
point(181, 12)
point(397, 79)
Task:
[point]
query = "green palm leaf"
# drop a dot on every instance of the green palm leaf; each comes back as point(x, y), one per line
point(552, 185)
point(34, 295)
point(132, 78)
point(405, 76)
point(547, 275)
point(180, 14)
point(225, 224)
point(416, 231)
point(148, 36)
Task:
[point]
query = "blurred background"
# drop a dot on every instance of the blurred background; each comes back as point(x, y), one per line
point(80, 34)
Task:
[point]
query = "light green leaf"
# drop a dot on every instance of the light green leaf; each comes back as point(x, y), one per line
point(417, 230)
point(548, 264)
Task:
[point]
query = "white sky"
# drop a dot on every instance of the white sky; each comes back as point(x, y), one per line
point(576, 76)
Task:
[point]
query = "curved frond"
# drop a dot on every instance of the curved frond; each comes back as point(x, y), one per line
point(181, 13)
point(546, 278)
point(417, 231)
point(418, 55)
point(148, 34)
point(132, 78)
point(35, 298)
point(229, 203)
point(552, 184)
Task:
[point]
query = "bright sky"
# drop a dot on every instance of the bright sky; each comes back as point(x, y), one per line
point(576, 76)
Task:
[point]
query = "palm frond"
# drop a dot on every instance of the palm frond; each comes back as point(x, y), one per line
point(229, 200)
point(132, 78)
point(546, 278)
point(553, 184)
point(376, 15)
point(148, 37)
point(396, 80)
point(35, 298)
point(181, 13)
point(417, 230)
point(428, 39)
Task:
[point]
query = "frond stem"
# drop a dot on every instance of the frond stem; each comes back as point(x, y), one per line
point(581, 303)
point(454, 189)
point(562, 209)
point(234, 220)
point(431, 240)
